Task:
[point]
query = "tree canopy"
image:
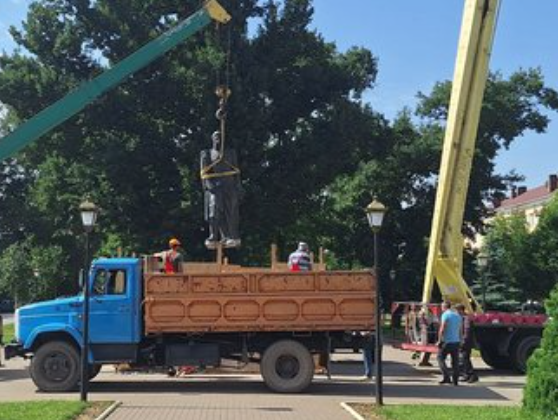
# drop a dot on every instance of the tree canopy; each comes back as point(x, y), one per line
point(522, 265)
point(312, 152)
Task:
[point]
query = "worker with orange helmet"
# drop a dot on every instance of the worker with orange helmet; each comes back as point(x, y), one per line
point(172, 258)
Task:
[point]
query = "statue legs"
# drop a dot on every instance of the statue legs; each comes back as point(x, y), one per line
point(223, 218)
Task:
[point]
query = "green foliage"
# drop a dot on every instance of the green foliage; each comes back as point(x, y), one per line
point(543, 246)
point(43, 410)
point(311, 152)
point(16, 274)
point(8, 333)
point(404, 174)
point(33, 273)
point(521, 265)
point(295, 117)
point(441, 412)
point(501, 282)
point(541, 391)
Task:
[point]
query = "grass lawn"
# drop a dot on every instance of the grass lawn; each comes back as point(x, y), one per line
point(438, 412)
point(50, 410)
point(8, 333)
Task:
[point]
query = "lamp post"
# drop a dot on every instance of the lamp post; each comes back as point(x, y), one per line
point(89, 212)
point(482, 262)
point(375, 212)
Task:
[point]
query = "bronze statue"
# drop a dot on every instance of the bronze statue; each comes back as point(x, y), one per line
point(221, 184)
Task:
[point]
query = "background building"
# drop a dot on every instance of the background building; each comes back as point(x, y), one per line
point(529, 202)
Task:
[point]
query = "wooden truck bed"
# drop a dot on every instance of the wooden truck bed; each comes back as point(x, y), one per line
point(255, 300)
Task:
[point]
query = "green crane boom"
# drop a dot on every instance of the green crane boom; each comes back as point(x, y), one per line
point(75, 101)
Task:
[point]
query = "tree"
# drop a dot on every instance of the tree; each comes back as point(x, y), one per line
point(32, 273)
point(522, 265)
point(540, 396)
point(16, 274)
point(542, 252)
point(405, 175)
point(508, 270)
point(295, 116)
point(311, 152)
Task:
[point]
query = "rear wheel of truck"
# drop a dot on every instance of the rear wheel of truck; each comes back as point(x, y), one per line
point(491, 357)
point(522, 350)
point(94, 371)
point(55, 367)
point(287, 366)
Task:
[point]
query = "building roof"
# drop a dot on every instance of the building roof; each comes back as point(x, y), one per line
point(536, 194)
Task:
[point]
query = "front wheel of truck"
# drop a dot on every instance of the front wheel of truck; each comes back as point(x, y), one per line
point(55, 367)
point(287, 366)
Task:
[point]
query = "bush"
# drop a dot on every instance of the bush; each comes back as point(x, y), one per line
point(541, 392)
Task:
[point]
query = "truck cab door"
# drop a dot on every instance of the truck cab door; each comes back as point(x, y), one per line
point(112, 319)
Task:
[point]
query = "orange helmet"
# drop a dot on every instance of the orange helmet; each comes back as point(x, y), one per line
point(174, 242)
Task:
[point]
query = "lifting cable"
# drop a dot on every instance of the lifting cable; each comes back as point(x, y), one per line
point(223, 92)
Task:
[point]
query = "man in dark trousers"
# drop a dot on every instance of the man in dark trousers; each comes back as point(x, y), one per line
point(466, 346)
point(449, 341)
point(221, 184)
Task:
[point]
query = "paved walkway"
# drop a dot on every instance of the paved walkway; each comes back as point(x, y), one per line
point(245, 397)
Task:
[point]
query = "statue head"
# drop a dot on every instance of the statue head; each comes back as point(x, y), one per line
point(216, 140)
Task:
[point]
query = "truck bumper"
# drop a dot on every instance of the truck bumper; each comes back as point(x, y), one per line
point(12, 350)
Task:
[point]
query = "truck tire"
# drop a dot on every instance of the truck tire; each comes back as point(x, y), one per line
point(94, 371)
point(287, 367)
point(55, 367)
point(522, 350)
point(491, 357)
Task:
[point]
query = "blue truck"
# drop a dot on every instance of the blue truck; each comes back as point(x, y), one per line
point(153, 320)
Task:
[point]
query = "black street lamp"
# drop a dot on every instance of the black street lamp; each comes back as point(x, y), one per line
point(482, 262)
point(375, 212)
point(89, 213)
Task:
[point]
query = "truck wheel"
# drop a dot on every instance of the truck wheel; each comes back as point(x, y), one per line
point(522, 350)
point(55, 367)
point(493, 359)
point(287, 366)
point(94, 371)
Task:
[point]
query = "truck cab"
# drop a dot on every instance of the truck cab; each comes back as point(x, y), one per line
point(52, 331)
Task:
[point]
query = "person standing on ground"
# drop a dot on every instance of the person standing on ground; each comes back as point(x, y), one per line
point(368, 345)
point(466, 346)
point(172, 258)
point(449, 341)
point(300, 259)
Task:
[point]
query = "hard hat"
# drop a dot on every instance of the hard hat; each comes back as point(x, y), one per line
point(174, 242)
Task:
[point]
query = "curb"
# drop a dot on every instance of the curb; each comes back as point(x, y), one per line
point(109, 410)
point(351, 411)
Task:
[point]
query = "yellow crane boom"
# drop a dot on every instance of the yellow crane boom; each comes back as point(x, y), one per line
point(445, 254)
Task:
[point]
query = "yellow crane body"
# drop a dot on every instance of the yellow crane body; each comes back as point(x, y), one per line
point(445, 254)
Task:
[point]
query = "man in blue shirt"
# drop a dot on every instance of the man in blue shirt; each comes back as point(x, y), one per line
point(449, 341)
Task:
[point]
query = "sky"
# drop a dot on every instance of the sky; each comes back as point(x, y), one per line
point(416, 43)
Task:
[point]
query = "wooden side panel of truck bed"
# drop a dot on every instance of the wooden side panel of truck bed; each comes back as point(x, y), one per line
point(259, 301)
